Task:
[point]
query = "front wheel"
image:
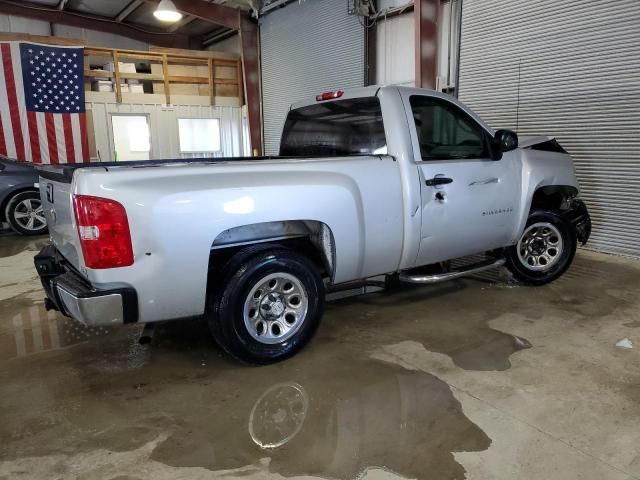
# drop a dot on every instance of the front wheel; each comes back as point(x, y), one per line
point(544, 251)
point(267, 305)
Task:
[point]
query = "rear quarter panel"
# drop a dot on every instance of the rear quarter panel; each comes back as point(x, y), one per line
point(176, 212)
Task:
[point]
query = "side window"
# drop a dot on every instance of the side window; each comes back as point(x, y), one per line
point(445, 132)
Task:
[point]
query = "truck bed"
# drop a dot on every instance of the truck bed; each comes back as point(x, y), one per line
point(64, 172)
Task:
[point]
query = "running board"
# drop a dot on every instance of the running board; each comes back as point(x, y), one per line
point(461, 272)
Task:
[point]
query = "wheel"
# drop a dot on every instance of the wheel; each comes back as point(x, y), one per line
point(545, 249)
point(25, 214)
point(267, 305)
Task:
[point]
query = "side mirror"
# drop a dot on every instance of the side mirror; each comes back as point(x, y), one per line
point(506, 140)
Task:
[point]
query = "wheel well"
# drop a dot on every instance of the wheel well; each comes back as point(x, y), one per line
point(9, 196)
point(310, 238)
point(553, 197)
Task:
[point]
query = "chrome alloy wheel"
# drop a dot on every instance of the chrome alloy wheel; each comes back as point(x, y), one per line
point(29, 214)
point(540, 246)
point(275, 308)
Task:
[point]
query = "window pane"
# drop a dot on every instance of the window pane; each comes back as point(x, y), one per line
point(446, 132)
point(343, 127)
point(130, 137)
point(199, 134)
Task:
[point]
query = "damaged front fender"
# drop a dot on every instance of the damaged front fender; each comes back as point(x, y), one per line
point(578, 216)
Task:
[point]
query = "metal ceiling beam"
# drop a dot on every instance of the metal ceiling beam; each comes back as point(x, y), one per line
point(275, 4)
point(426, 42)
point(218, 37)
point(181, 23)
point(128, 10)
point(93, 22)
point(210, 12)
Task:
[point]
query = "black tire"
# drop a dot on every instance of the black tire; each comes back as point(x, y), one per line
point(528, 267)
point(231, 298)
point(21, 204)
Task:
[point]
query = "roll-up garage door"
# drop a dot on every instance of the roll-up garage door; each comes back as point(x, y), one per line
point(570, 69)
point(307, 48)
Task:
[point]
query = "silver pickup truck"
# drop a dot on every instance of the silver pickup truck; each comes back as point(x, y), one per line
point(373, 181)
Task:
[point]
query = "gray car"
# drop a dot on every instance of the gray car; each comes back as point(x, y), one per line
point(20, 204)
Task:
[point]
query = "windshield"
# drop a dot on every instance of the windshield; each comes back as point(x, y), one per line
point(343, 127)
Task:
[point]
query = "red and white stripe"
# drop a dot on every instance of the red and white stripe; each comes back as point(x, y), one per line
point(36, 137)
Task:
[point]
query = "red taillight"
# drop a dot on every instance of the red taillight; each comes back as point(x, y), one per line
point(104, 232)
point(329, 95)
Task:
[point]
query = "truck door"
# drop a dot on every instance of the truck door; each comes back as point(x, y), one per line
point(469, 201)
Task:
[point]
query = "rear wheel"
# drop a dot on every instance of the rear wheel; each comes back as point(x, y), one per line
point(25, 214)
point(544, 251)
point(267, 305)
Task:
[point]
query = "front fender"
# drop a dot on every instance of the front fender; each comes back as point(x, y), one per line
point(542, 169)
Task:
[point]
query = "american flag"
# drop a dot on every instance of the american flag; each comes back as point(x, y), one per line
point(42, 118)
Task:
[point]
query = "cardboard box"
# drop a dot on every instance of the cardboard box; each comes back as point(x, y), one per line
point(123, 67)
point(102, 86)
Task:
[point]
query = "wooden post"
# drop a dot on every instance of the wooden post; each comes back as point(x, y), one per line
point(240, 82)
point(116, 76)
point(165, 76)
point(212, 81)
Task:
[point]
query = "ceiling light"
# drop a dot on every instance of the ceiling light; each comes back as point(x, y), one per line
point(166, 12)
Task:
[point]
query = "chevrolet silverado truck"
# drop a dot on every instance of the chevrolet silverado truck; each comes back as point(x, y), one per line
point(372, 181)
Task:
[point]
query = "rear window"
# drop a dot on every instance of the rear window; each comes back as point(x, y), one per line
point(343, 127)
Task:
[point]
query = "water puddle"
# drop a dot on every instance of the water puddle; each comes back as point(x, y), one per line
point(12, 244)
point(331, 412)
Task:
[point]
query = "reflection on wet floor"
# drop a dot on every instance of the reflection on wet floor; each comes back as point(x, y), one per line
point(36, 331)
point(333, 411)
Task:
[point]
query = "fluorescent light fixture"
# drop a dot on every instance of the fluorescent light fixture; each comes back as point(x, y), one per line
point(166, 12)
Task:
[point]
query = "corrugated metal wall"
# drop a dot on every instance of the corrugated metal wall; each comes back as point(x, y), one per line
point(570, 69)
point(307, 48)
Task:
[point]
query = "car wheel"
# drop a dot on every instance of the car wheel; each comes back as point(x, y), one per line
point(25, 214)
point(545, 249)
point(267, 305)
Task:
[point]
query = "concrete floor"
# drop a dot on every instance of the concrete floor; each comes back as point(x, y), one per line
point(472, 379)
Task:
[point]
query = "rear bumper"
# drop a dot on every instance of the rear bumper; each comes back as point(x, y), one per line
point(73, 296)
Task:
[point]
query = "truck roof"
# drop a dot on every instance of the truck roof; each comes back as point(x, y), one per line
point(374, 90)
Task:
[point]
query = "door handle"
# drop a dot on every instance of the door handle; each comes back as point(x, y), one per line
point(432, 182)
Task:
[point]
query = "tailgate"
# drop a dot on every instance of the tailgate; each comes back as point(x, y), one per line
point(55, 192)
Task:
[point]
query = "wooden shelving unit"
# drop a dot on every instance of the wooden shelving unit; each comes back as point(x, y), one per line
point(223, 75)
